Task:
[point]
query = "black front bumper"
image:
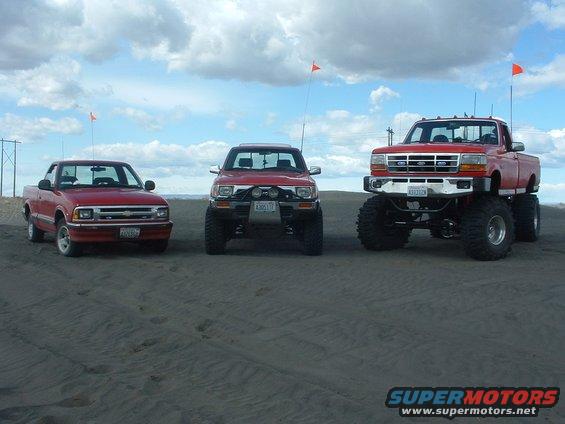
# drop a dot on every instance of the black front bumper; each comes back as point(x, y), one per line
point(289, 210)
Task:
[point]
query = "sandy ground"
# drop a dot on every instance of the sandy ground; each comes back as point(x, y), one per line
point(264, 334)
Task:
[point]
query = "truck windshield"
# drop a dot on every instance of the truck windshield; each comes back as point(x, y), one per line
point(265, 160)
point(453, 131)
point(98, 175)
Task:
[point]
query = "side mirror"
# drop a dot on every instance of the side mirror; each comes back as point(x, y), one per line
point(149, 185)
point(214, 169)
point(518, 146)
point(44, 185)
point(315, 170)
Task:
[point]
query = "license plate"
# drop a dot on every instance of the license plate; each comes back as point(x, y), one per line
point(267, 207)
point(129, 232)
point(417, 191)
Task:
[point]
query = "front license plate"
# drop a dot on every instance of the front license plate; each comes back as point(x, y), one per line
point(129, 232)
point(417, 191)
point(267, 207)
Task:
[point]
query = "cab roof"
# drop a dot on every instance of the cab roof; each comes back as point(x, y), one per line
point(267, 145)
point(463, 118)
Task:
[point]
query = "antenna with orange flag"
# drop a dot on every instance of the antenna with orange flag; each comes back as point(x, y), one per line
point(92, 118)
point(312, 70)
point(516, 70)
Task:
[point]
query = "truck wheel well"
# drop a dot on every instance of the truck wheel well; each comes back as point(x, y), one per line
point(58, 216)
point(495, 182)
point(26, 211)
point(531, 184)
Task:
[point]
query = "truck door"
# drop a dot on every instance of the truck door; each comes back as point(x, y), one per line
point(46, 210)
point(508, 164)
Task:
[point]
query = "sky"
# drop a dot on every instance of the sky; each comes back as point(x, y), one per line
point(175, 83)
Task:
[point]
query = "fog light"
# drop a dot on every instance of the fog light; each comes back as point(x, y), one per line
point(377, 184)
point(256, 192)
point(273, 193)
point(464, 185)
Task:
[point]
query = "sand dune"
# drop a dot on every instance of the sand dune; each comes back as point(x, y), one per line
point(264, 334)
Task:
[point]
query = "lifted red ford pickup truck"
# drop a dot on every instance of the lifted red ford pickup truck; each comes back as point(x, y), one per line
point(95, 201)
point(457, 177)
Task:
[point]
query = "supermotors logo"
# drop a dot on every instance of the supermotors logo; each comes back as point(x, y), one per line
point(451, 402)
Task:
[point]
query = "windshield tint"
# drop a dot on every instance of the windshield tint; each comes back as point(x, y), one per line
point(467, 131)
point(261, 160)
point(103, 175)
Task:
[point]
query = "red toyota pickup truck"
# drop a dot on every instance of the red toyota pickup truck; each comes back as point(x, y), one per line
point(95, 201)
point(456, 177)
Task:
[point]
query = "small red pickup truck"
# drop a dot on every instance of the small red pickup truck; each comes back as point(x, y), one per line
point(95, 201)
point(456, 177)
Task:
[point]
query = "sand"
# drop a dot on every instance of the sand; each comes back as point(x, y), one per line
point(265, 334)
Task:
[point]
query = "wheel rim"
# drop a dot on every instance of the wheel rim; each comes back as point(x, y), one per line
point(536, 219)
point(496, 230)
point(63, 239)
point(30, 229)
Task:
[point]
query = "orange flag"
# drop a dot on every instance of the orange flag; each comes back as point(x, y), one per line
point(315, 67)
point(516, 69)
point(92, 117)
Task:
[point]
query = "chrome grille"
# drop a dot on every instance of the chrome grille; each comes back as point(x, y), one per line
point(417, 162)
point(123, 213)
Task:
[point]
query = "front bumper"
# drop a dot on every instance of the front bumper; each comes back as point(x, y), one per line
point(106, 232)
point(240, 210)
point(449, 186)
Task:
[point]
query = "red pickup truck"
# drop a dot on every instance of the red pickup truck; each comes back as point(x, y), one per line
point(95, 201)
point(456, 177)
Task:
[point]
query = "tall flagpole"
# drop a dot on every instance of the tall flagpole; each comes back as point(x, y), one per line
point(92, 134)
point(312, 69)
point(511, 81)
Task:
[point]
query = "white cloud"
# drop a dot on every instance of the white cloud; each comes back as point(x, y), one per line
point(34, 129)
point(548, 145)
point(402, 122)
point(551, 14)
point(142, 118)
point(540, 77)
point(268, 41)
point(53, 85)
point(164, 159)
point(379, 95)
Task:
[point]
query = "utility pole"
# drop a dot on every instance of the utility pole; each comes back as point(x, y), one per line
point(390, 134)
point(12, 158)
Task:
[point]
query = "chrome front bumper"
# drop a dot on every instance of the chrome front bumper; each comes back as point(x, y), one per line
point(426, 186)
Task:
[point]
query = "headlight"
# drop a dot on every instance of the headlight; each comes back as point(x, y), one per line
point(83, 214)
point(378, 162)
point(162, 212)
point(256, 192)
point(304, 192)
point(225, 191)
point(473, 162)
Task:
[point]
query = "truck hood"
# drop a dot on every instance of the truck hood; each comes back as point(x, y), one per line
point(112, 197)
point(264, 178)
point(432, 148)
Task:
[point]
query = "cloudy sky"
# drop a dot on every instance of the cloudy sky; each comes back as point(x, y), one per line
point(175, 83)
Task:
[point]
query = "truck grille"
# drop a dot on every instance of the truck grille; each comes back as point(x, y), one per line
point(441, 162)
point(124, 212)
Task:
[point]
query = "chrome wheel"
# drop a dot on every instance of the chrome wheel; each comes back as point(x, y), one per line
point(63, 239)
point(496, 230)
point(536, 219)
point(30, 229)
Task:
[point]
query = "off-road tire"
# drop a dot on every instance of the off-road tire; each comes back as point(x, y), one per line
point(526, 217)
point(313, 234)
point(483, 215)
point(214, 234)
point(156, 246)
point(372, 229)
point(67, 248)
point(34, 234)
